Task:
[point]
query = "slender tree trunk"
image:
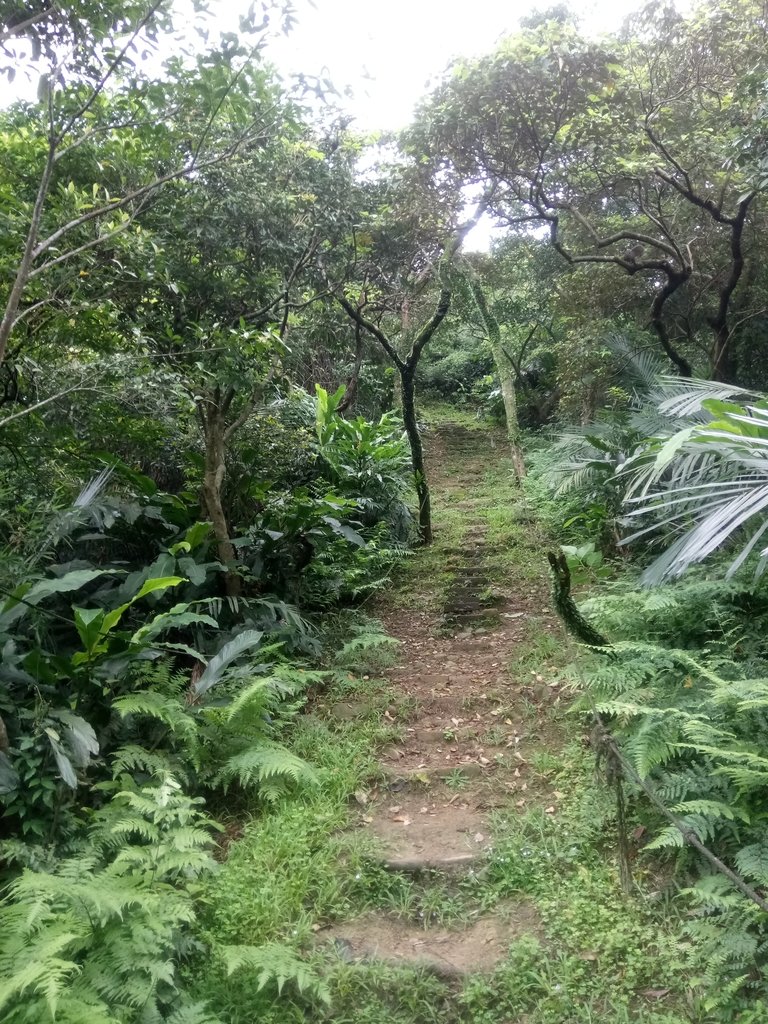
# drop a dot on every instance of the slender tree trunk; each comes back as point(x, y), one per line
point(723, 368)
point(350, 395)
point(675, 280)
point(408, 392)
point(25, 264)
point(722, 361)
point(213, 480)
point(507, 376)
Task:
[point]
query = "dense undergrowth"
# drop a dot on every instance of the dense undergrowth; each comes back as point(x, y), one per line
point(682, 683)
point(137, 701)
point(215, 289)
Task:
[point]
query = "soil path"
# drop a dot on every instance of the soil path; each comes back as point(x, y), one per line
point(469, 706)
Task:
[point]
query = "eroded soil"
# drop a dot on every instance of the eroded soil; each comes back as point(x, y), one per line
point(469, 730)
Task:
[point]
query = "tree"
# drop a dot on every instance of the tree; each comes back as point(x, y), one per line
point(619, 149)
point(96, 99)
point(385, 286)
point(506, 371)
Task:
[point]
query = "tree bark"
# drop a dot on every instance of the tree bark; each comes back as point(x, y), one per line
point(507, 376)
point(675, 280)
point(27, 258)
point(723, 363)
point(350, 394)
point(214, 433)
point(408, 388)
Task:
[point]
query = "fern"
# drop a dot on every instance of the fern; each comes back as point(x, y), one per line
point(276, 965)
point(152, 704)
point(752, 861)
point(94, 941)
point(270, 766)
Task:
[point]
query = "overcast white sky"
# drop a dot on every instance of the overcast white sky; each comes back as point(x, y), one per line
point(388, 51)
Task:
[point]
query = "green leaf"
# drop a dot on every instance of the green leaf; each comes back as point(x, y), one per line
point(112, 618)
point(63, 762)
point(13, 609)
point(89, 622)
point(9, 779)
point(216, 667)
point(342, 530)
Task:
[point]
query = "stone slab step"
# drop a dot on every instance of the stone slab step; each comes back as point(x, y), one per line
point(477, 949)
point(424, 832)
point(397, 778)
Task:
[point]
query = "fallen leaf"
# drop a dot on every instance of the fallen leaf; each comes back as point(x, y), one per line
point(519, 803)
point(361, 797)
point(395, 809)
point(558, 795)
point(655, 993)
point(550, 810)
point(479, 837)
point(402, 819)
point(588, 955)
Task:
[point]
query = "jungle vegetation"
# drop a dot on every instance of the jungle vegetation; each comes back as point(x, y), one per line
point(222, 308)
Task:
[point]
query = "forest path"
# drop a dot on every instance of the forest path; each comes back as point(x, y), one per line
point(471, 617)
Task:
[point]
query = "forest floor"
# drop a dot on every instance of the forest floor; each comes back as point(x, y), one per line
point(458, 866)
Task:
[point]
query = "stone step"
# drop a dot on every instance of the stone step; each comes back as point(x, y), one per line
point(399, 777)
point(418, 832)
point(449, 953)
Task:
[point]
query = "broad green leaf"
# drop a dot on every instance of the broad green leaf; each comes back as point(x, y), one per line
point(216, 667)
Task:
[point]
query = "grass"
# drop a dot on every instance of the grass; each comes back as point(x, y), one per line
point(598, 957)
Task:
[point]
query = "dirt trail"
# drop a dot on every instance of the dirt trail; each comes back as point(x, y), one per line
point(469, 730)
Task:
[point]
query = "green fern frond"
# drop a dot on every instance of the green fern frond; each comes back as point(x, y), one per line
point(193, 1013)
point(276, 965)
point(711, 809)
point(653, 743)
point(152, 704)
point(133, 758)
point(752, 861)
point(266, 762)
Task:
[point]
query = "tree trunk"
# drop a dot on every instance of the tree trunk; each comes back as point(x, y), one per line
point(509, 396)
point(27, 258)
point(408, 392)
point(675, 280)
point(506, 371)
point(723, 362)
point(213, 480)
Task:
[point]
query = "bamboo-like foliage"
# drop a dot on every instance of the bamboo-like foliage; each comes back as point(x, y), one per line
point(704, 484)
